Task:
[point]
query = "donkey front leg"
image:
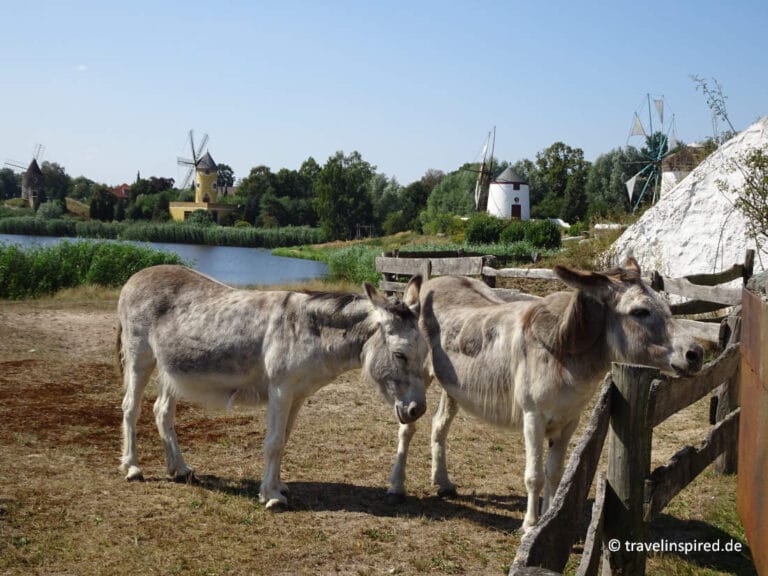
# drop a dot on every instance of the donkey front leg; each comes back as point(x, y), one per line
point(396, 492)
point(165, 411)
point(533, 431)
point(281, 411)
point(555, 460)
point(441, 423)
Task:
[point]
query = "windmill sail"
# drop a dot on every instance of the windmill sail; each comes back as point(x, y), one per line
point(637, 128)
point(660, 109)
point(630, 184)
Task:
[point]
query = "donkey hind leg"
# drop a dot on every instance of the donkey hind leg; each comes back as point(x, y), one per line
point(441, 423)
point(281, 411)
point(165, 411)
point(555, 460)
point(533, 432)
point(138, 366)
point(396, 492)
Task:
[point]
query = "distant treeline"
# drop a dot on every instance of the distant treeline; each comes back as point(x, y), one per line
point(181, 233)
point(41, 270)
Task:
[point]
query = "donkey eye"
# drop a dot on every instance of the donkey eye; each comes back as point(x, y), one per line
point(640, 312)
point(400, 356)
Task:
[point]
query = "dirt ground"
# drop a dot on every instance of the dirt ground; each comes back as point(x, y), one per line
point(65, 509)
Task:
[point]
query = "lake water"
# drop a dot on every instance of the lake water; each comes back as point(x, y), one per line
point(234, 266)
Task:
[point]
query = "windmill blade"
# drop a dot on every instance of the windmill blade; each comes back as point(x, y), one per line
point(187, 178)
point(14, 164)
point(200, 148)
point(184, 161)
point(192, 145)
point(38, 153)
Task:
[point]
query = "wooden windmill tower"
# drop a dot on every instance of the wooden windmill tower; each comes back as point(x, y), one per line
point(204, 170)
point(31, 178)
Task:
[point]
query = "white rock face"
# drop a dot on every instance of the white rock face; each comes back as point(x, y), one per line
point(695, 228)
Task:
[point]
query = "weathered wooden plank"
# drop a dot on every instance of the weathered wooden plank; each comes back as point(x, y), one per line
point(702, 330)
point(695, 307)
point(670, 395)
point(403, 266)
point(719, 294)
point(728, 395)
point(549, 543)
point(539, 273)
point(593, 543)
point(666, 481)
point(732, 273)
point(388, 286)
point(629, 461)
point(467, 266)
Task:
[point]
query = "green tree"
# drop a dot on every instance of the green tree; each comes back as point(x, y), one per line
point(82, 188)
point(225, 177)
point(102, 206)
point(56, 182)
point(341, 195)
point(10, 184)
point(557, 183)
point(309, 170)
point(605, 187)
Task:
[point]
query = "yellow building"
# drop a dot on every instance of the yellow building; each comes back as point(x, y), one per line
point(206, 192)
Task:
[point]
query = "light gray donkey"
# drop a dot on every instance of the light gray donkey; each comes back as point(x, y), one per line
point(217, 345)
point(537, 361)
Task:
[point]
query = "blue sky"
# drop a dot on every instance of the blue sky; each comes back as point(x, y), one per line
point(112, 89)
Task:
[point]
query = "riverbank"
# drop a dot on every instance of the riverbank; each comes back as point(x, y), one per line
point(174, 232)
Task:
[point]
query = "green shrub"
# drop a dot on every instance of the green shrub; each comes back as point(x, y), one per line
point(50, 210)
point(32, 272)
point(578, 228)
point(355, 264)
point(483, 229)
point(514, 232)
point(543, 234)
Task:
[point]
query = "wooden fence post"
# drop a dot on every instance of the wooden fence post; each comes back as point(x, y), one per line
point(728, 395)
point(629, 462)
point(489, 280)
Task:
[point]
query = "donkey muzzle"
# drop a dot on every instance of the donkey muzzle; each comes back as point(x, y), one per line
point(411, 412)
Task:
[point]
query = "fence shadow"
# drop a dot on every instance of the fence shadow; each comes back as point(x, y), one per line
point(487, 510)
point(668, 530)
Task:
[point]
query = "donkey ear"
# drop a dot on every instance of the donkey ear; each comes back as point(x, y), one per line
point(411, 296)
point(376, 297)
point(631, 264)
point(592, 283)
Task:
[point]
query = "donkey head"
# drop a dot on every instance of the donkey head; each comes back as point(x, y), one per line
point(395, 355)
point(639, 325)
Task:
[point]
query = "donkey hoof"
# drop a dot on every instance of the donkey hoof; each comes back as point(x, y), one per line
point(395, 498)
point(449, 492)
point(134, 474)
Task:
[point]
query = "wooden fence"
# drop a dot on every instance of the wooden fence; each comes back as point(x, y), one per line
point(632, 401)
point(753, 422)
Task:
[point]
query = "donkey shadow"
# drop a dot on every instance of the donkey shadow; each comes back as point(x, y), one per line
point(487, 510)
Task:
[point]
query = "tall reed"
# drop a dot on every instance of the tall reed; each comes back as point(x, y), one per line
point(40, 270)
